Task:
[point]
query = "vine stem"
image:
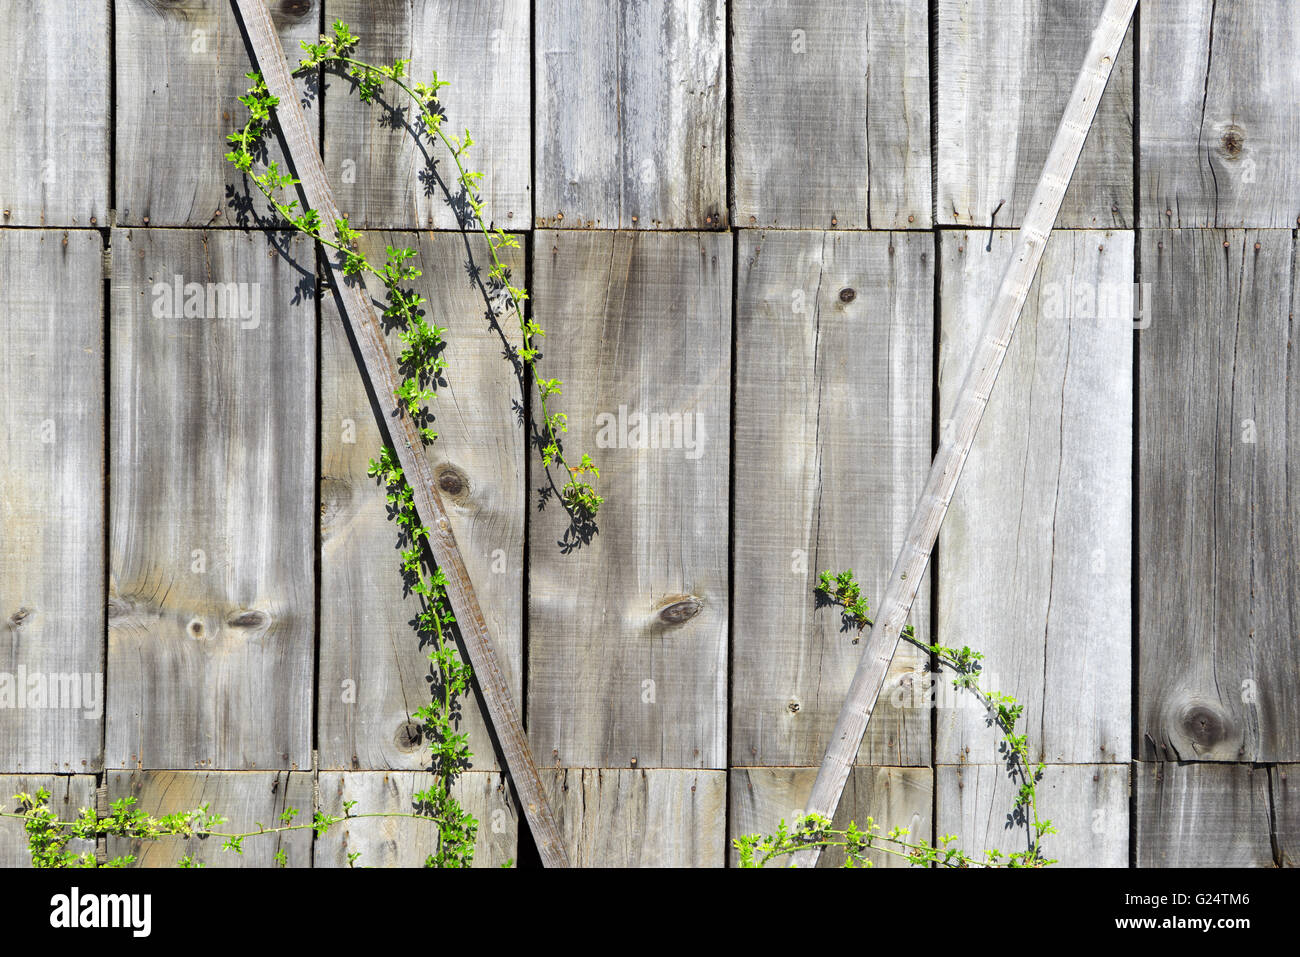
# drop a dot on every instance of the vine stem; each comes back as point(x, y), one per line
point(515, 300)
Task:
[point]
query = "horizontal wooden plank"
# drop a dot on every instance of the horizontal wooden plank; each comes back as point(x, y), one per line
point(373, 672)
point(213, 462)
point(52, 570)
point(381, 173)
point(1202, 815)
point(831, 450)
point(1219, 136)
point(891, 797)
point(831, 114)
point(68, 795)
point(631, 114)
point(406, 842)
point(628, 633)
point(1219, 471)
point(246, 799)
point(54, 157)
point(1088, 804)
point(180, 70)
point(629, 817)
point(1005, 72)
point(1035, 555)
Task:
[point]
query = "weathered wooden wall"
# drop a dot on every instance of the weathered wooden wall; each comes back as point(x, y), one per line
point(779, 221)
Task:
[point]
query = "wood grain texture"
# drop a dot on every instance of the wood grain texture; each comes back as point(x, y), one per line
point(957, 437)
point(1035, 559)
point(383, 174)
point(1220, 474)
point(1202, 815)
point(51, 501)
point(1005, 70)
point(54, 157)
point(246, 799)
point(831, 114)
point(629, 817)
point(834, 336)
point(405, 842)
point(372, 350)
point(628, 634)
point(1088, 804)
point(180, 69)
point(893, 797)
point(1219, 130)
point(213, 431)
point(68, 795)
point(373, 674)
point(1284, 795)
point(631, 114)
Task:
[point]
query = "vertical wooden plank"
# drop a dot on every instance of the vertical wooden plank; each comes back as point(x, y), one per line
point(1219, 130)
point(1035, 556)
point(246, 799)
point(1202, 815)
point(382, 173)
point(631, 114)
point(68, 795)
point(831, 114)
point(1006, 70)
point(1220, 472)
point(1088, 804)
point(213, 430)
point(405, 842)
point(833, 389)
point(629, 817)
point(1284, 797)
point(892, 797)
point(180, 69)
point(54, 155)
point(373, 672)
point(628, 632)
point(52, 500)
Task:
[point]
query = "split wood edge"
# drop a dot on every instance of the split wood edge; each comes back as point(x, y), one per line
point(378, 369)
point(958, 434)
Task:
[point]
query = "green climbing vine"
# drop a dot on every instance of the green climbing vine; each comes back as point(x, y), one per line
point(814, 830)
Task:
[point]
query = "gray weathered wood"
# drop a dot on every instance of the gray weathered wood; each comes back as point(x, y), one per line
point(1284, 795)
point(404, 842)
point(373, 674)
point(68, 795)
point(1088, 804)
point(831, 114)
point(381, 172)
point(1202, 815)
point(631, 114)
point(1006, 68)
point(892, 797)
point(1035, 558)
point(51, 501)
point(628, 634)
point(381, 372)
point(245, 798)
point(1220, 475)
point(1218, 94)
point(956, 440)
point(830, 454)
point(54, 154)
point(180, 69)
point(629, 817)
point(212, 446)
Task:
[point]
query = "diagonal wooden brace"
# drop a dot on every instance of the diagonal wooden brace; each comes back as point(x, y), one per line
point(379, 369)
point(972, 399)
